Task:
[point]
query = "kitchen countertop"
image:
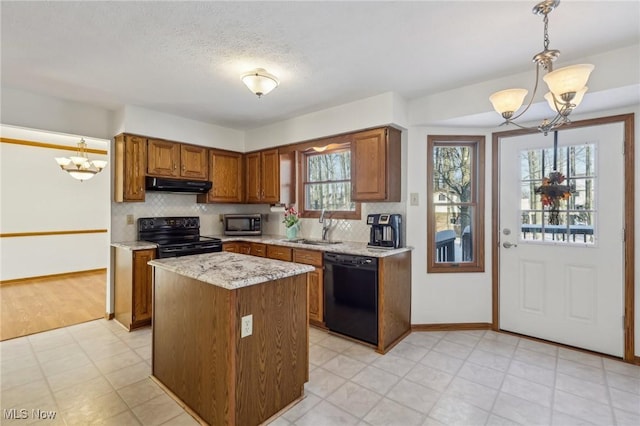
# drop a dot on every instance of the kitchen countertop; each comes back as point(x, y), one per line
point(345, 247)
point(231, 270)
point(135, 245)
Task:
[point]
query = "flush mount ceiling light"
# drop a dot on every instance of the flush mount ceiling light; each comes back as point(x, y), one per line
point(79, 166)
point(567, 85)
point(260, 82)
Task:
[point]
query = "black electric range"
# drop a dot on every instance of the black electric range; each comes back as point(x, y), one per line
point(176, 236)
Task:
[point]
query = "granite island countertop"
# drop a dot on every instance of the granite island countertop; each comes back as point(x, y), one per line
point(345, 247)
point(230, 270)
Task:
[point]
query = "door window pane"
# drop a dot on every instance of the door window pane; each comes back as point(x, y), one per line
point(568, 220)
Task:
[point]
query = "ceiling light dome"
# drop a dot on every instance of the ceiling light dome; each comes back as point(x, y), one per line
point(260, 82)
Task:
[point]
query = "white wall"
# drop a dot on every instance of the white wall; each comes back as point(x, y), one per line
point(387, 108)
point(133, 119)
point(615, 82)
point(38, 197)
point(31, 110)
point(451, 297)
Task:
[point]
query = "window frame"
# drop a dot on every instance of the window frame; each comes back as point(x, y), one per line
point(304, 154)
point(477, 144)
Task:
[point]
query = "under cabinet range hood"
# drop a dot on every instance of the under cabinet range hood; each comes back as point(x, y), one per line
point(177, 185)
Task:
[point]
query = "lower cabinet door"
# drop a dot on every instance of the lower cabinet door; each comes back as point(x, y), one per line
point(142, 284)
point(316, 295)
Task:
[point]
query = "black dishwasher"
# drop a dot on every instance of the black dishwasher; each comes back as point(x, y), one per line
point(351, 296)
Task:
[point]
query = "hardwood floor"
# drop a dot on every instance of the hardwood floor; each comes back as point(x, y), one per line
point(46, 303)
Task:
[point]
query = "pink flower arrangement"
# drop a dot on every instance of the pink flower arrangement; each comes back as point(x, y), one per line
point(290, 217)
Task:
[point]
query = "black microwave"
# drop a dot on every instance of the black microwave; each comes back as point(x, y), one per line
point(242, 224)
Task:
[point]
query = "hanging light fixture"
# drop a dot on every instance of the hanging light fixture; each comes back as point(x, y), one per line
point(79, 166)
point(260, 82)
point(567, 85)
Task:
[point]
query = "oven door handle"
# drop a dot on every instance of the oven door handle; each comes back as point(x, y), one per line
point(171, 250)
point(207, 246)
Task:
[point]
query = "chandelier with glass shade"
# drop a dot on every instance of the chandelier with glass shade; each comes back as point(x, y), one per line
point(79, 166)
point(567, 85)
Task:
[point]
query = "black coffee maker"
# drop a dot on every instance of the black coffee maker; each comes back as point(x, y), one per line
point(386, 231)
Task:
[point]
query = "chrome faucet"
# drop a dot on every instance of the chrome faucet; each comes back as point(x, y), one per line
point(326, 224)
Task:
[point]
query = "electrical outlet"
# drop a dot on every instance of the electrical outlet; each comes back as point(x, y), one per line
point(221, 218)
point(129, 219)
point(414, 199)
point(246, 328)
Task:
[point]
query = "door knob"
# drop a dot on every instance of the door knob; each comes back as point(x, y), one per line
point(507, 245)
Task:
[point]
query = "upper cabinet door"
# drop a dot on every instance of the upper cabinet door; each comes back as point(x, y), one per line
point(130, 167)
point(227, 175)
point(135, 161)
point(270, 176)
point(375, 165)
point(163, 158)
point(253, 187)
point(193, 162)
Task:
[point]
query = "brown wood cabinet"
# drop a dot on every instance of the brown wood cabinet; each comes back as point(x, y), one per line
point(394, 300)
point(130, 165)
point(375, 165)
point(194, 162)
point(133, 283)
point(279, 253)
point(263, 176)
point(163, 158)
point(226, 172)
point(258, 249)
point(200, 356)
point(237, 247)
point(315, 283)
point(177, 160)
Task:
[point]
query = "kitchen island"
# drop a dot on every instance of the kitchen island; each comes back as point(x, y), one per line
point(203, 306)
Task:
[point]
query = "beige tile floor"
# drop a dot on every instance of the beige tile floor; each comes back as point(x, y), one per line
point(97, 373)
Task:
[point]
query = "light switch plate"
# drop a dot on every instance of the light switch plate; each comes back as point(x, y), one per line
point(246, 327)
point(413, 199)
point(129, 219)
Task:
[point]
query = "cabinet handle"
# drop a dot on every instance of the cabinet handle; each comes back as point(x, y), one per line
point(184, 167)
point(174, 166)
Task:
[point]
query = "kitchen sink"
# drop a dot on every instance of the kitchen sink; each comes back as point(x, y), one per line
point(314, 242)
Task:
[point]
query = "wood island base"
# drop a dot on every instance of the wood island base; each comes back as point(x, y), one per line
point(199, 356)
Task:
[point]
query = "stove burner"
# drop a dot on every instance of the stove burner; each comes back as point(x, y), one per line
point(176, 236)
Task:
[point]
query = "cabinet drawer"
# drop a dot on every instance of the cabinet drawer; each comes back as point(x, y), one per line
point(258, 249)
point(279, 252)
point(231, 247)
point(308, 257)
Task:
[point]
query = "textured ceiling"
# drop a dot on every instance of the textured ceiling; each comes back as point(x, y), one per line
point(186, 58)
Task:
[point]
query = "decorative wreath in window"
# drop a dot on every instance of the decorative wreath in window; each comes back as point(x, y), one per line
point(552, 191)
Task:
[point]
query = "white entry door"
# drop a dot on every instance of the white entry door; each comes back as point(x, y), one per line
point(564, 281)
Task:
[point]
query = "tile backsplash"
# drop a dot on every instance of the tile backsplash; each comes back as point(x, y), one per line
point(167, 204)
